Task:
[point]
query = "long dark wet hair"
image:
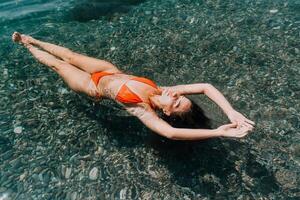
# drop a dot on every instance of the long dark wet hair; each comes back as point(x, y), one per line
point(194, 118)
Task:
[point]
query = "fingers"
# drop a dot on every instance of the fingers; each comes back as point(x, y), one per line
point(167, 92)
point(227, 127)
point(243, 132)
point(250, 127)
point(239, 124)
point(170, 92)
point(16, 37)
point(246, 124)
point(241, 119)
point(250, 122)
point(175, 94)
point(232, 125)
point(230, 130)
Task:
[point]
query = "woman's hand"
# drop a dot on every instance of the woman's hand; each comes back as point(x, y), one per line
point(239, 119)
point(170, 91)
point(232, 130)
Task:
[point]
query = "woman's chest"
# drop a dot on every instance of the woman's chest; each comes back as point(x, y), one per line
point(111, 87)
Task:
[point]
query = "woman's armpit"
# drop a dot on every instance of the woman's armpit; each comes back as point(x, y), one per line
point(140, 112)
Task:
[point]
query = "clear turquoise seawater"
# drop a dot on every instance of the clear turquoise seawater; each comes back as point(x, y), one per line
point(56, 144)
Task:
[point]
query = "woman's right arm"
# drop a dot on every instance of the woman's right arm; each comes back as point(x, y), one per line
point(156, 124)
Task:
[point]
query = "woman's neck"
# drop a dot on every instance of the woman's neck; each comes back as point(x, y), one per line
point(154, 102)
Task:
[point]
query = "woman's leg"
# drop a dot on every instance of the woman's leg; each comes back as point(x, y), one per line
point(88, 64)
point(76, 79)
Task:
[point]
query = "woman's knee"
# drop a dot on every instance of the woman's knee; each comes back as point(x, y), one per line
point(69, 55)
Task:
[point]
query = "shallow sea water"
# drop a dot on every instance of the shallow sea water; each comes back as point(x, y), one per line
point(56, 144)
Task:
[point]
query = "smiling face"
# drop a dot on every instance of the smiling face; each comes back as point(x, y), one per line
point(173, 104)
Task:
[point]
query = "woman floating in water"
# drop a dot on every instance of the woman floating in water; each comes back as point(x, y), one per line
point(140, 96)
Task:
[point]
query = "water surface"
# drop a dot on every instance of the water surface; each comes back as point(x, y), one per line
point(56, 144)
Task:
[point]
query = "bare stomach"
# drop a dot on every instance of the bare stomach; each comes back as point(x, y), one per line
point(109, 86)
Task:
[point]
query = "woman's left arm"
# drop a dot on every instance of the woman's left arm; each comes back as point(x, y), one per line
point(216, 96)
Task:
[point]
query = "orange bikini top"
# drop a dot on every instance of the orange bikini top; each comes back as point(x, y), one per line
point(125, 95)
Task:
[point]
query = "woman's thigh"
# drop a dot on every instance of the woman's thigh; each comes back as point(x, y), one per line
point(91, 65)
point(77, 79)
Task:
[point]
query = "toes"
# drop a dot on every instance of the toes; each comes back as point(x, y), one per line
point(13, 36)
point(16, 37)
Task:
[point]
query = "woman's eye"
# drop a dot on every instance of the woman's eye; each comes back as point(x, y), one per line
point(176, 105)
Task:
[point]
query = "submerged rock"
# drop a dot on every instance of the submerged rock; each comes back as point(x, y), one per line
point(123, 194)
point(18, 129)
point(273, 11)
point(287, 179)
point(248, 50)
point(99, 151)
point(68, 173)
point(93, 175)
point(23, 176)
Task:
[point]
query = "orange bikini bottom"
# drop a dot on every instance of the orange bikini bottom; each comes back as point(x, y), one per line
point(125, 95)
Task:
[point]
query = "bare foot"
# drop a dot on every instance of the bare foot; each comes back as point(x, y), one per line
point(23, 39)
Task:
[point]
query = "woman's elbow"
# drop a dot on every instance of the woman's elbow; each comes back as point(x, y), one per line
point(207, 87)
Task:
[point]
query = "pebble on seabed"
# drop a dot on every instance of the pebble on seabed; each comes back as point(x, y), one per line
point(249, 54)
point(99, 151)
point(93, 173)
point(68, 173)
point(18, 129)
point(4, 196)
point(23, 176)
point(273, 11)
point(123, 194)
